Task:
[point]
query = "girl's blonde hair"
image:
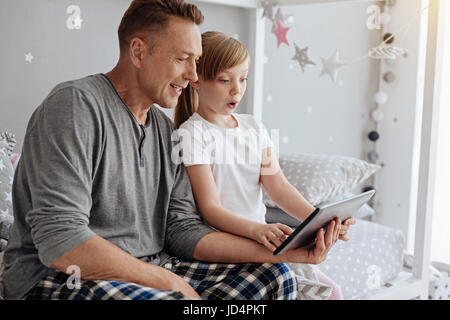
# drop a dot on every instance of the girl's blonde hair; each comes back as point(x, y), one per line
point(220, 52)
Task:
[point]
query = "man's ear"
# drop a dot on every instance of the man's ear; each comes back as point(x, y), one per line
point(195, 85)
point(137, 51)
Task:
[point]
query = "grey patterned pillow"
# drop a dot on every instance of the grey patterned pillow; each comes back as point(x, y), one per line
point(322, 177)
point(6, 179)
point(9, 140)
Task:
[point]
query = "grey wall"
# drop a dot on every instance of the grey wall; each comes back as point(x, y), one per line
point(315, 114)
point(60, 54)
point(39, 27)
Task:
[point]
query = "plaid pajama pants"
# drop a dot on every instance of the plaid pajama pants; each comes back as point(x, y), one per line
point(212, 281)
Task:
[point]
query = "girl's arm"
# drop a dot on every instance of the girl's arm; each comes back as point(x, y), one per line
point(278, 188)
point(208, 201)
point(285, 195)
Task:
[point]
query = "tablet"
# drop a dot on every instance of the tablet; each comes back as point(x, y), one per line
point(306, 232)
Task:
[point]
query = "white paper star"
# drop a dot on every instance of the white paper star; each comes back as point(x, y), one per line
point(29, 57)
point(5, 212)
point(332, 65)
point(8, 197)
point(301, 55)
point(283, 17)
point(11, 180)
point(2, 165)
point(77, 22)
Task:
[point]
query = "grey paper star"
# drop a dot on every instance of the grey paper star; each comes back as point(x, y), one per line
point(301, 55)
point(268, 9)
point(331, 66)
point(283, 17)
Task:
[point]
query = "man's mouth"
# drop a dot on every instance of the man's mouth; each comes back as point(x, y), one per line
point(178, 89)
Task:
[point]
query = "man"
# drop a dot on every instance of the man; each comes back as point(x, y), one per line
point(96, 189)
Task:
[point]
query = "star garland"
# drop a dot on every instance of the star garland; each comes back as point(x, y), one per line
point(332, 65)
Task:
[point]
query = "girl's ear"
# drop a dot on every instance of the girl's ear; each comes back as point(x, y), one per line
point(195, 85)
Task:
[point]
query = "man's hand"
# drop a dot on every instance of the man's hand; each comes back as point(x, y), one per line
point(317, 253)
point(177, 283)
point(345, 226)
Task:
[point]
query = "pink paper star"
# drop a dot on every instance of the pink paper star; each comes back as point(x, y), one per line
point(281, 32)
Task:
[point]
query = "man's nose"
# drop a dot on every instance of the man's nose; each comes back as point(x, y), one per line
point(191, 72)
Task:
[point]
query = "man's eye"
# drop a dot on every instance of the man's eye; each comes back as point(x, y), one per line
point(245, 79)
point(223, 80)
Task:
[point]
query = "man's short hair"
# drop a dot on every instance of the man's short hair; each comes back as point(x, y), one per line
point(146, 17)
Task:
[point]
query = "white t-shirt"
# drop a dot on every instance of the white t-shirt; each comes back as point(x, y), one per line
point(235, 158)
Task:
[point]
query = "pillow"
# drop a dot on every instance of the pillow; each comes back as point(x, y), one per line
point(6, 179)
point(274, 215)
point(322, 177)
point(10, 141)
point(15, 160)
point(363, 212)
point(2, 267)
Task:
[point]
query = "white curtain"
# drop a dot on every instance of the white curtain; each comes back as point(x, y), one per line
point(440, 243)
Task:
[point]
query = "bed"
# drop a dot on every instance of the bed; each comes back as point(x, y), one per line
point(367, 262)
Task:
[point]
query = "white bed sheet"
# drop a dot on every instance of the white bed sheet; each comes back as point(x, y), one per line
point(372, 257)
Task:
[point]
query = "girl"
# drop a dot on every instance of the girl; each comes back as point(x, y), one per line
point(230, 157)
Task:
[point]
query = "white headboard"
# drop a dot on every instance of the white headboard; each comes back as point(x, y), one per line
point(430, 115)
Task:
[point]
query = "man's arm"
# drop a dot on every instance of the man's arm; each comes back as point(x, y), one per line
point(225, 247)
point(99, 259)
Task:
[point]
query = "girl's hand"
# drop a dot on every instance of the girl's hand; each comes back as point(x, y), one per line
point(271, 235)
point(345, 226)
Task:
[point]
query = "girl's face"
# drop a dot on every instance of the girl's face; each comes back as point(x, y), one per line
point(223, 94)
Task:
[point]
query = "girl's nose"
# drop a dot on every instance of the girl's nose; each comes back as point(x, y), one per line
point(235, 90)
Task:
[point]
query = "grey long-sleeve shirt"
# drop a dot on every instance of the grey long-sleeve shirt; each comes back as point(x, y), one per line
point(88, 167)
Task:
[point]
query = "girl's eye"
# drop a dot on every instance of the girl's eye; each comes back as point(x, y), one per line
point(223, 80)
point(243, 80)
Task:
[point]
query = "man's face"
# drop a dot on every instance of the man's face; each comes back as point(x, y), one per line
point(169, 67)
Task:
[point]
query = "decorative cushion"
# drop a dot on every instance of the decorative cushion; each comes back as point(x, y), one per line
point(7, 143)
point(2, 267)
point(10, 140)
point(6, 179)
point(274, 215)
point(15, 160)
point(322, 177)
point(363, 212)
